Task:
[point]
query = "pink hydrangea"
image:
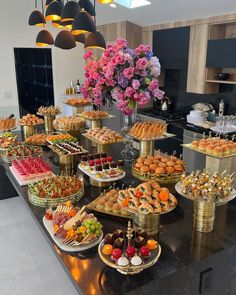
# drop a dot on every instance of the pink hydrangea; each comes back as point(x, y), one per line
point(135, 84)
point(142, 64)
point(88, 54)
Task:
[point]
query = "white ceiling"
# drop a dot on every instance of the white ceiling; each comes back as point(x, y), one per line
point(162, 11)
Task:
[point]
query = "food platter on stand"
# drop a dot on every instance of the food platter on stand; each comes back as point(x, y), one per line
point(220, 202)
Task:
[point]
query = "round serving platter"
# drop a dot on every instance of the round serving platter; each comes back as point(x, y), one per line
point(231, 196)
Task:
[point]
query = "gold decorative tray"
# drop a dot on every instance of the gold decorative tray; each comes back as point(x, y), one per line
point(162, 178)
point(96, 119)
point(93, 206)
point(99, 142)
point(49, 202)
point(189, 146)
point(49, 115)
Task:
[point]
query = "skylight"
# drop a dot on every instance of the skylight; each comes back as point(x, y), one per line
point(133, 3)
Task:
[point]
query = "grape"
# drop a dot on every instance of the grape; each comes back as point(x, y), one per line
point(97, 232)
point(88, 231)
point(92, 227)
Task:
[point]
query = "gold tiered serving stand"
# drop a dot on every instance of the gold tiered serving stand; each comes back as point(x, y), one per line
point(78, 109)
point(204, 211)
point(215, 163)
point(101, 147)
point(29, 130)
point(48, 121)
point(96, 123)
point(150, 223)
point(130, 269)
point(147, 146)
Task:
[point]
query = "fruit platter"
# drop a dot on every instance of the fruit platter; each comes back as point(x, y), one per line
point(163, 168)
point(107, 203)
point(71, 228)
point(54, 190)
point(49, 111)
point(58, 138)
point(102, 168)
point(29, 170)
point(37, 139)
point(213, 146)
point(20, 152)
point(147, 198)
point(8, 139)
point(129, 251)
point(68, 148)
point(207, 187)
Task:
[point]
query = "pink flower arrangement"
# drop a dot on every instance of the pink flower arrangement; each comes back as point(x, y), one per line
point(129, 77)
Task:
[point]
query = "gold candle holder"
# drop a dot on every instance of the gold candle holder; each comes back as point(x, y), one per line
point(96, 183)
point(146, 148)
point(29, 130)
point(203, 216)
point(48, 123)
point(148, 223)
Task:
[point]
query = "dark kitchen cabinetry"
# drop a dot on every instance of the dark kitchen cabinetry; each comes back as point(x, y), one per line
point(172, 46)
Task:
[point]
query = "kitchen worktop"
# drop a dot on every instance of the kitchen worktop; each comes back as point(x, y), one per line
point(185, 253)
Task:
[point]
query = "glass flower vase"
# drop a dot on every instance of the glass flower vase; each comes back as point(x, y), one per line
point(129, 154)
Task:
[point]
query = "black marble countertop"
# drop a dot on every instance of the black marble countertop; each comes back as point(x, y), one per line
point(185, 253)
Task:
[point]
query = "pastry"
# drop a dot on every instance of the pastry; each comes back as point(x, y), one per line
point(49, 110)
point(68, 123)
point(7, 123)
point(29, 120)
point(94, 115)
point(78, 101)
point(40, 139)
point(148, 130)
point(104, 135)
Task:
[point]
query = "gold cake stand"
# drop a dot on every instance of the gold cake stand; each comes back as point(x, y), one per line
point(77, 109)
point(150, 223)
point(203, 211)
point(215, 163)
point(96, 123)
point(101, 147)
point(29, 130)
point(48, 121)
point(147, 146)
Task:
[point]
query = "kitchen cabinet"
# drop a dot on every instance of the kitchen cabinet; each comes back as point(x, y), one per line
point(172, 46)
point(196, 81)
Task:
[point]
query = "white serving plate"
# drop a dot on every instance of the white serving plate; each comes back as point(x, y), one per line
point(29, 181)
point(101, 179)
point(68, 248)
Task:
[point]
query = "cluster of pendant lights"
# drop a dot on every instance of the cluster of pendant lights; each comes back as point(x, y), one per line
point(76, 19)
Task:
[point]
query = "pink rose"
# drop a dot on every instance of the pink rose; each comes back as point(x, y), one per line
point(153, 85)
point(129, 92)
point(128, 73)
point(142, 64)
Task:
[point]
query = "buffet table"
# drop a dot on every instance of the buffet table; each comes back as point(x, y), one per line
point(187, 256)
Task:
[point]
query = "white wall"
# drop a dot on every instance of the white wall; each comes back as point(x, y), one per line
point(15, 32)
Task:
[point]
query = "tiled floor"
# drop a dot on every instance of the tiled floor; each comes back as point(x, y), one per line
point(28, 265)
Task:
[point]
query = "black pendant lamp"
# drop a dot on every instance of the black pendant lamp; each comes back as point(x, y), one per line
point(48, 2)
point(95, 40)
point(36, 17)
point(54, 10)
point(87, 6)
point(69, 11)
point(58, 24)
point(44, 38)
point(65, 40)
point(83, 23)
point(80, 38)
